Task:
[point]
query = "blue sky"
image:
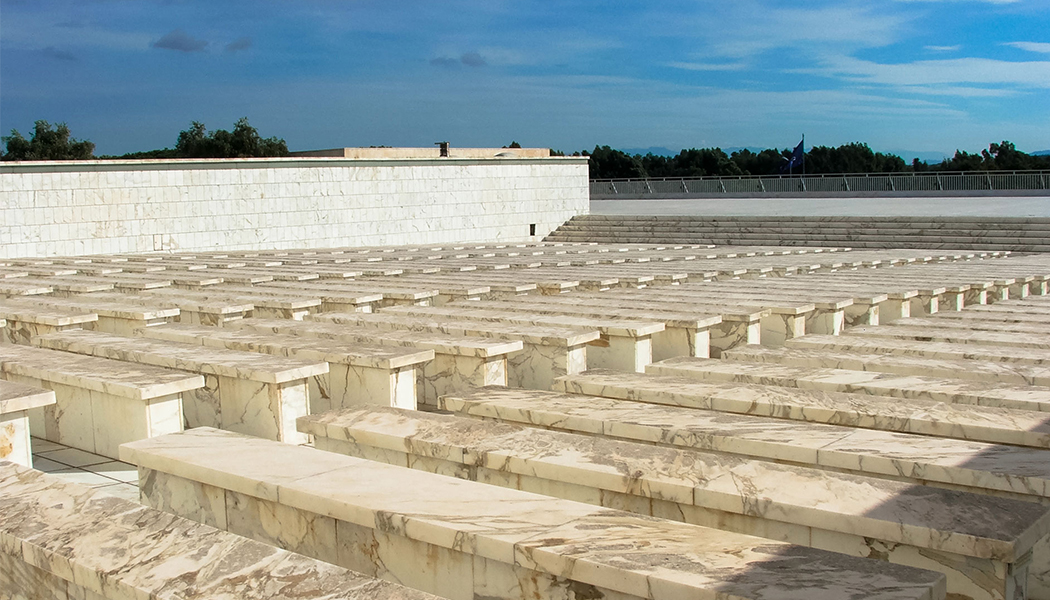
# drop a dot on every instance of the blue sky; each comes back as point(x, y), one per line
point(915, 75)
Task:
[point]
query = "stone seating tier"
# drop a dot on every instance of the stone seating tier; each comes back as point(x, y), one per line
point(16, 400)
point(548, 351)
point(459, 361)
point(957, 533)
point(977, 423)
point(945, 350)
point(66, 541)
point(911, 387)
point(252, 393)
point(367, 374)
point(903, 330)
point(898, 364)
point(24, 322)
point(100, 403)
point(465, 540)
point(264, 304)
point(191, 311)
point(626, 344)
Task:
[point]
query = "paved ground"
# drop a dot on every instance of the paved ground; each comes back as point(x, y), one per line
point(1001, 206)
point(76, 466)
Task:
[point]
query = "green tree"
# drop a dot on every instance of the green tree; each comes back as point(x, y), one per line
point(607, 163)
point(48, 143)
point(243, 142)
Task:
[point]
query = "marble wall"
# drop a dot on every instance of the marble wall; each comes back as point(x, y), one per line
point(91, 207)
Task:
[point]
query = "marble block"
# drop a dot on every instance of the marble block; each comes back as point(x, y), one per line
point(116, 317)
point(979, 423)
point(24, 323)
point(16, 400)
point(433, 538)
point(361, 374)
point(252, 393)
point(61, 540)
point(191, 312)
point(547, 351)
point(942, 350)
point(625, 344)
point(907, 330)
point(264, 304)
point(919, 387)
point(966, 536)
point(967, 370)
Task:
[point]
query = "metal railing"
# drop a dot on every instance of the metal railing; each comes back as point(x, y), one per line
point(849, 182)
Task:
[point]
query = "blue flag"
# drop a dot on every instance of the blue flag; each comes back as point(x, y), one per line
point(798, 158)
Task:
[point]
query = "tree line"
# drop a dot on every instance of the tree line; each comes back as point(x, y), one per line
point(53, 142)
point(857, 157)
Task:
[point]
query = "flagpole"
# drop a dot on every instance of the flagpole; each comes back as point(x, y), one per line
point(803, 155)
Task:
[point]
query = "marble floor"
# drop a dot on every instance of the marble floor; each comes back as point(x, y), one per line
point(70, 464)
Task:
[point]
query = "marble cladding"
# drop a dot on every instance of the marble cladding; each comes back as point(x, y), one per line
point(64, 541)
point(975, 540)
point(465, 540)
point(136, 206)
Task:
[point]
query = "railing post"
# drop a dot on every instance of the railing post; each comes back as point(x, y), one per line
point(648, 187)
point(684, 186)
point(988, 178)
point(612, 184)
point(845, 183)
point(722, 185)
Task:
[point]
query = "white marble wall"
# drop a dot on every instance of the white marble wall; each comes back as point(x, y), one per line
point(88, 207)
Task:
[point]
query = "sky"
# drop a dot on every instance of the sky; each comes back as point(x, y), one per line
point(906, 76)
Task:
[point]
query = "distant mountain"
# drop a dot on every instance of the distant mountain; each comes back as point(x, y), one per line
point(1041, 153)
point(933, 158)
point(654, 150)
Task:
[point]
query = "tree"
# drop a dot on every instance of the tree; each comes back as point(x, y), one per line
point(48, 143)
point(607, 163)
point(242, 142)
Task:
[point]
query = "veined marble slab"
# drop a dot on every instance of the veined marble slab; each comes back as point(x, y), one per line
point(13, 287)
point(362, 374)
point(902, 330)
point(967, 536)
point(23, 323)
point(946, 462)
point(16, 400)
point(548, 351)
point(969, 370)
point(626, 344)
point(116, 317)
point(252, 393)
point(459, 362)
point(68, 288)
point(64, 540)
point(945, 350)
point(970, 322)
point(492, 540)
point(919, 387)
point(191, 311)
point(267, 305)
point(939, 419)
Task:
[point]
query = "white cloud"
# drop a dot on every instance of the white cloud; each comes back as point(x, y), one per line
point(1041, 47)
point(695, 66)
point(943, 48)
point(980, 71)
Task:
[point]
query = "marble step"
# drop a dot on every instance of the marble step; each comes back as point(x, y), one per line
point(369, 374)
point(945, 350)
point(253, 393)
point(116, 317)
point(966, 536)
point(967, 321)
point(264, 304)
point(548, 350)
point(911, 387)
point(192, 311)
point(923, 417)
point(17, 400)
point(899, 330)
point(26, 321)
point(65, 540)
point(459, 361)
point(899, 364)
point(462, 539)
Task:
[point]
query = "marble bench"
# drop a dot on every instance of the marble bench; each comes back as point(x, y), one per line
point(465, 540)
point(785, 319)
point(66, 289)
point(905, 330)
point(332, 299)
point(626, 344)
point(978, 423)
point(988, 469)
point(14, 288)
point(393, 294)
point(114, 316)
point(100, 403)
point(954, 368)
point(912, 387)
point(272, 306)
point(980, 543)
point(25, 321)
point(945, 350)
point(65, 541)
point(548, 351)
point(687, 332)
point(968, 321)
point(828, 315)
point(16, 401)
point(459, 361)
point(213, 312)
point(364, 373)
point(252, 393)
point(446, 292)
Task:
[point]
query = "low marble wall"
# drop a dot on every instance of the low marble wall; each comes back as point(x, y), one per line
point(91, 207)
